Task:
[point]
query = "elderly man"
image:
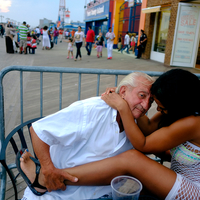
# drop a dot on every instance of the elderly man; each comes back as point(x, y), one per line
point(86, 131)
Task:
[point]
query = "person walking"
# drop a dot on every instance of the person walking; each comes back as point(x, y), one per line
point(89, 40)
point(2, 30)
point(9, 38)
point(55, 36)
point(72, 33)
point(110, 36)
point(143, 42)
point(100, 43)
point(61, 35)
point(46, 41)
point(126, 43)
point(79, 38)
point(119, 45)
point(23, 31)
point(132, 42)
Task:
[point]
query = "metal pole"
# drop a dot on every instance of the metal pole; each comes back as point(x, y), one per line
point(1, 17)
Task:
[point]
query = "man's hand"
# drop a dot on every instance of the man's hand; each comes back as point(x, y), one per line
point(54, 178)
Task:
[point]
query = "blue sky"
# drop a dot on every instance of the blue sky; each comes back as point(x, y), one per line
point(32, 11)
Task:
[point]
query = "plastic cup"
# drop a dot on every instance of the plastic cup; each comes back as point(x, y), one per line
point(125, 188)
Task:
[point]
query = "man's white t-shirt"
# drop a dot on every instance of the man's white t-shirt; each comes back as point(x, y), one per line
point(79, 36)
point(37, 30)
point(84, 132)
point(126, 39)
point(110, 35)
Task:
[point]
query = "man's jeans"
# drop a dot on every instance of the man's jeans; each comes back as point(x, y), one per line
point(90, 47)
point(126, 46)
point(55, 39)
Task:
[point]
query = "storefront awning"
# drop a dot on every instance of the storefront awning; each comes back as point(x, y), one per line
point(151, 9)
point(97, 18)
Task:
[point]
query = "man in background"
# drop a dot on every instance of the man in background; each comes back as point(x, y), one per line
point(89, 40)
point(23, 31)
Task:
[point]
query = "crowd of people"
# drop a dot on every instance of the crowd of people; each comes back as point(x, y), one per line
point(24, 40)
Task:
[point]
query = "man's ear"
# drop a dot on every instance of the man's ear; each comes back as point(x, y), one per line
point(122, 91)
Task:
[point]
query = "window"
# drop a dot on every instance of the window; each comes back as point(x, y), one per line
point(162, 30)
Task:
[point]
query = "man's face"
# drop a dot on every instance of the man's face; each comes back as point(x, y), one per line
point(110, 30)
point(138, 98)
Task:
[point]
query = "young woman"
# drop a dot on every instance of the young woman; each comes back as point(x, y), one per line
point(175, 127)
point(46, 41)
point(79, 38)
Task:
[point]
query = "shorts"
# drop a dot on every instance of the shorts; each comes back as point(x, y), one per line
point(184, 189)
point(23, 43)
point(99, 48)
point(132, 43)
point(119, 45)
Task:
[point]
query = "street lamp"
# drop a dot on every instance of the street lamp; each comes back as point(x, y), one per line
point(1, 17)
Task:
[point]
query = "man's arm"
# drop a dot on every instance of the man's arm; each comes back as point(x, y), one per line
point(54, 178)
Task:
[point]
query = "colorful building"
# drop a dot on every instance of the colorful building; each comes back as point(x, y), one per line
point(118, 14)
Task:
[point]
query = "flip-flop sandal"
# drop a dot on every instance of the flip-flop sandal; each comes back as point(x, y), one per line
point(28, 182)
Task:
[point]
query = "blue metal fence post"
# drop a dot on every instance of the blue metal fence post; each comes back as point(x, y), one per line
point(2, 138)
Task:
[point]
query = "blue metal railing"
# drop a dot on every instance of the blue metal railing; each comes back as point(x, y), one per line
point(43, 70)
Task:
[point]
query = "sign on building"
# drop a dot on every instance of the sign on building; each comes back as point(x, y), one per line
point(186, 35)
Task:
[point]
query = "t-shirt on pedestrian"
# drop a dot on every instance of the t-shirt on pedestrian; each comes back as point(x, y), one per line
point(100, 40)
point(90, 36)
point(110, 36)
point(23, 30)
point(79, 36)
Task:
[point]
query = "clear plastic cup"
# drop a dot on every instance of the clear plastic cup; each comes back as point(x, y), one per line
point(125, 188)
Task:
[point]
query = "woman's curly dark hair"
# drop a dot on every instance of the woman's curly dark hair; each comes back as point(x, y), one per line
point(179, 92)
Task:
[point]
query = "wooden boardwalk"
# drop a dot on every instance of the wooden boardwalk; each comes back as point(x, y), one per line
point(57, 57)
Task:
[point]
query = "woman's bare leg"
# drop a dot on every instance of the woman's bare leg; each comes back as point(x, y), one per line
point(155, 177)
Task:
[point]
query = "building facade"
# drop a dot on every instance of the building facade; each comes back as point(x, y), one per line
point(44, 22)
point(173, 31)
point(121, 15)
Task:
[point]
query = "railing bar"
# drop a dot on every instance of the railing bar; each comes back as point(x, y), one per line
point(75, 70)
point(98, 83)
point(116, 80)
point(60, 103)
point(79, 87)
point(41, 94)
point(21, 95)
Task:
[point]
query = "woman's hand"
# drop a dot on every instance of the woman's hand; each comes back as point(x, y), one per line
point(114, 100)
point(109, 90)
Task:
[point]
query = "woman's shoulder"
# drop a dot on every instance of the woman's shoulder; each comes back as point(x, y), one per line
point(190, 124)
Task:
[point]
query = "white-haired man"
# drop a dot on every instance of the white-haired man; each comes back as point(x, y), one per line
point(86, 131)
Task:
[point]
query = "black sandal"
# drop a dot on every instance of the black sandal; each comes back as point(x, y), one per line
point(35, 183)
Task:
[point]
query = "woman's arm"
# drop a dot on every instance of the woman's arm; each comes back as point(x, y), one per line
point(148, 126)
point(185, 129)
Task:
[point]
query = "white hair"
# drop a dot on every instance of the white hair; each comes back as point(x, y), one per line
point(132, 80)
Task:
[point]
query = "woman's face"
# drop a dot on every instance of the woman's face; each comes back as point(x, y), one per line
point(160, 107)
